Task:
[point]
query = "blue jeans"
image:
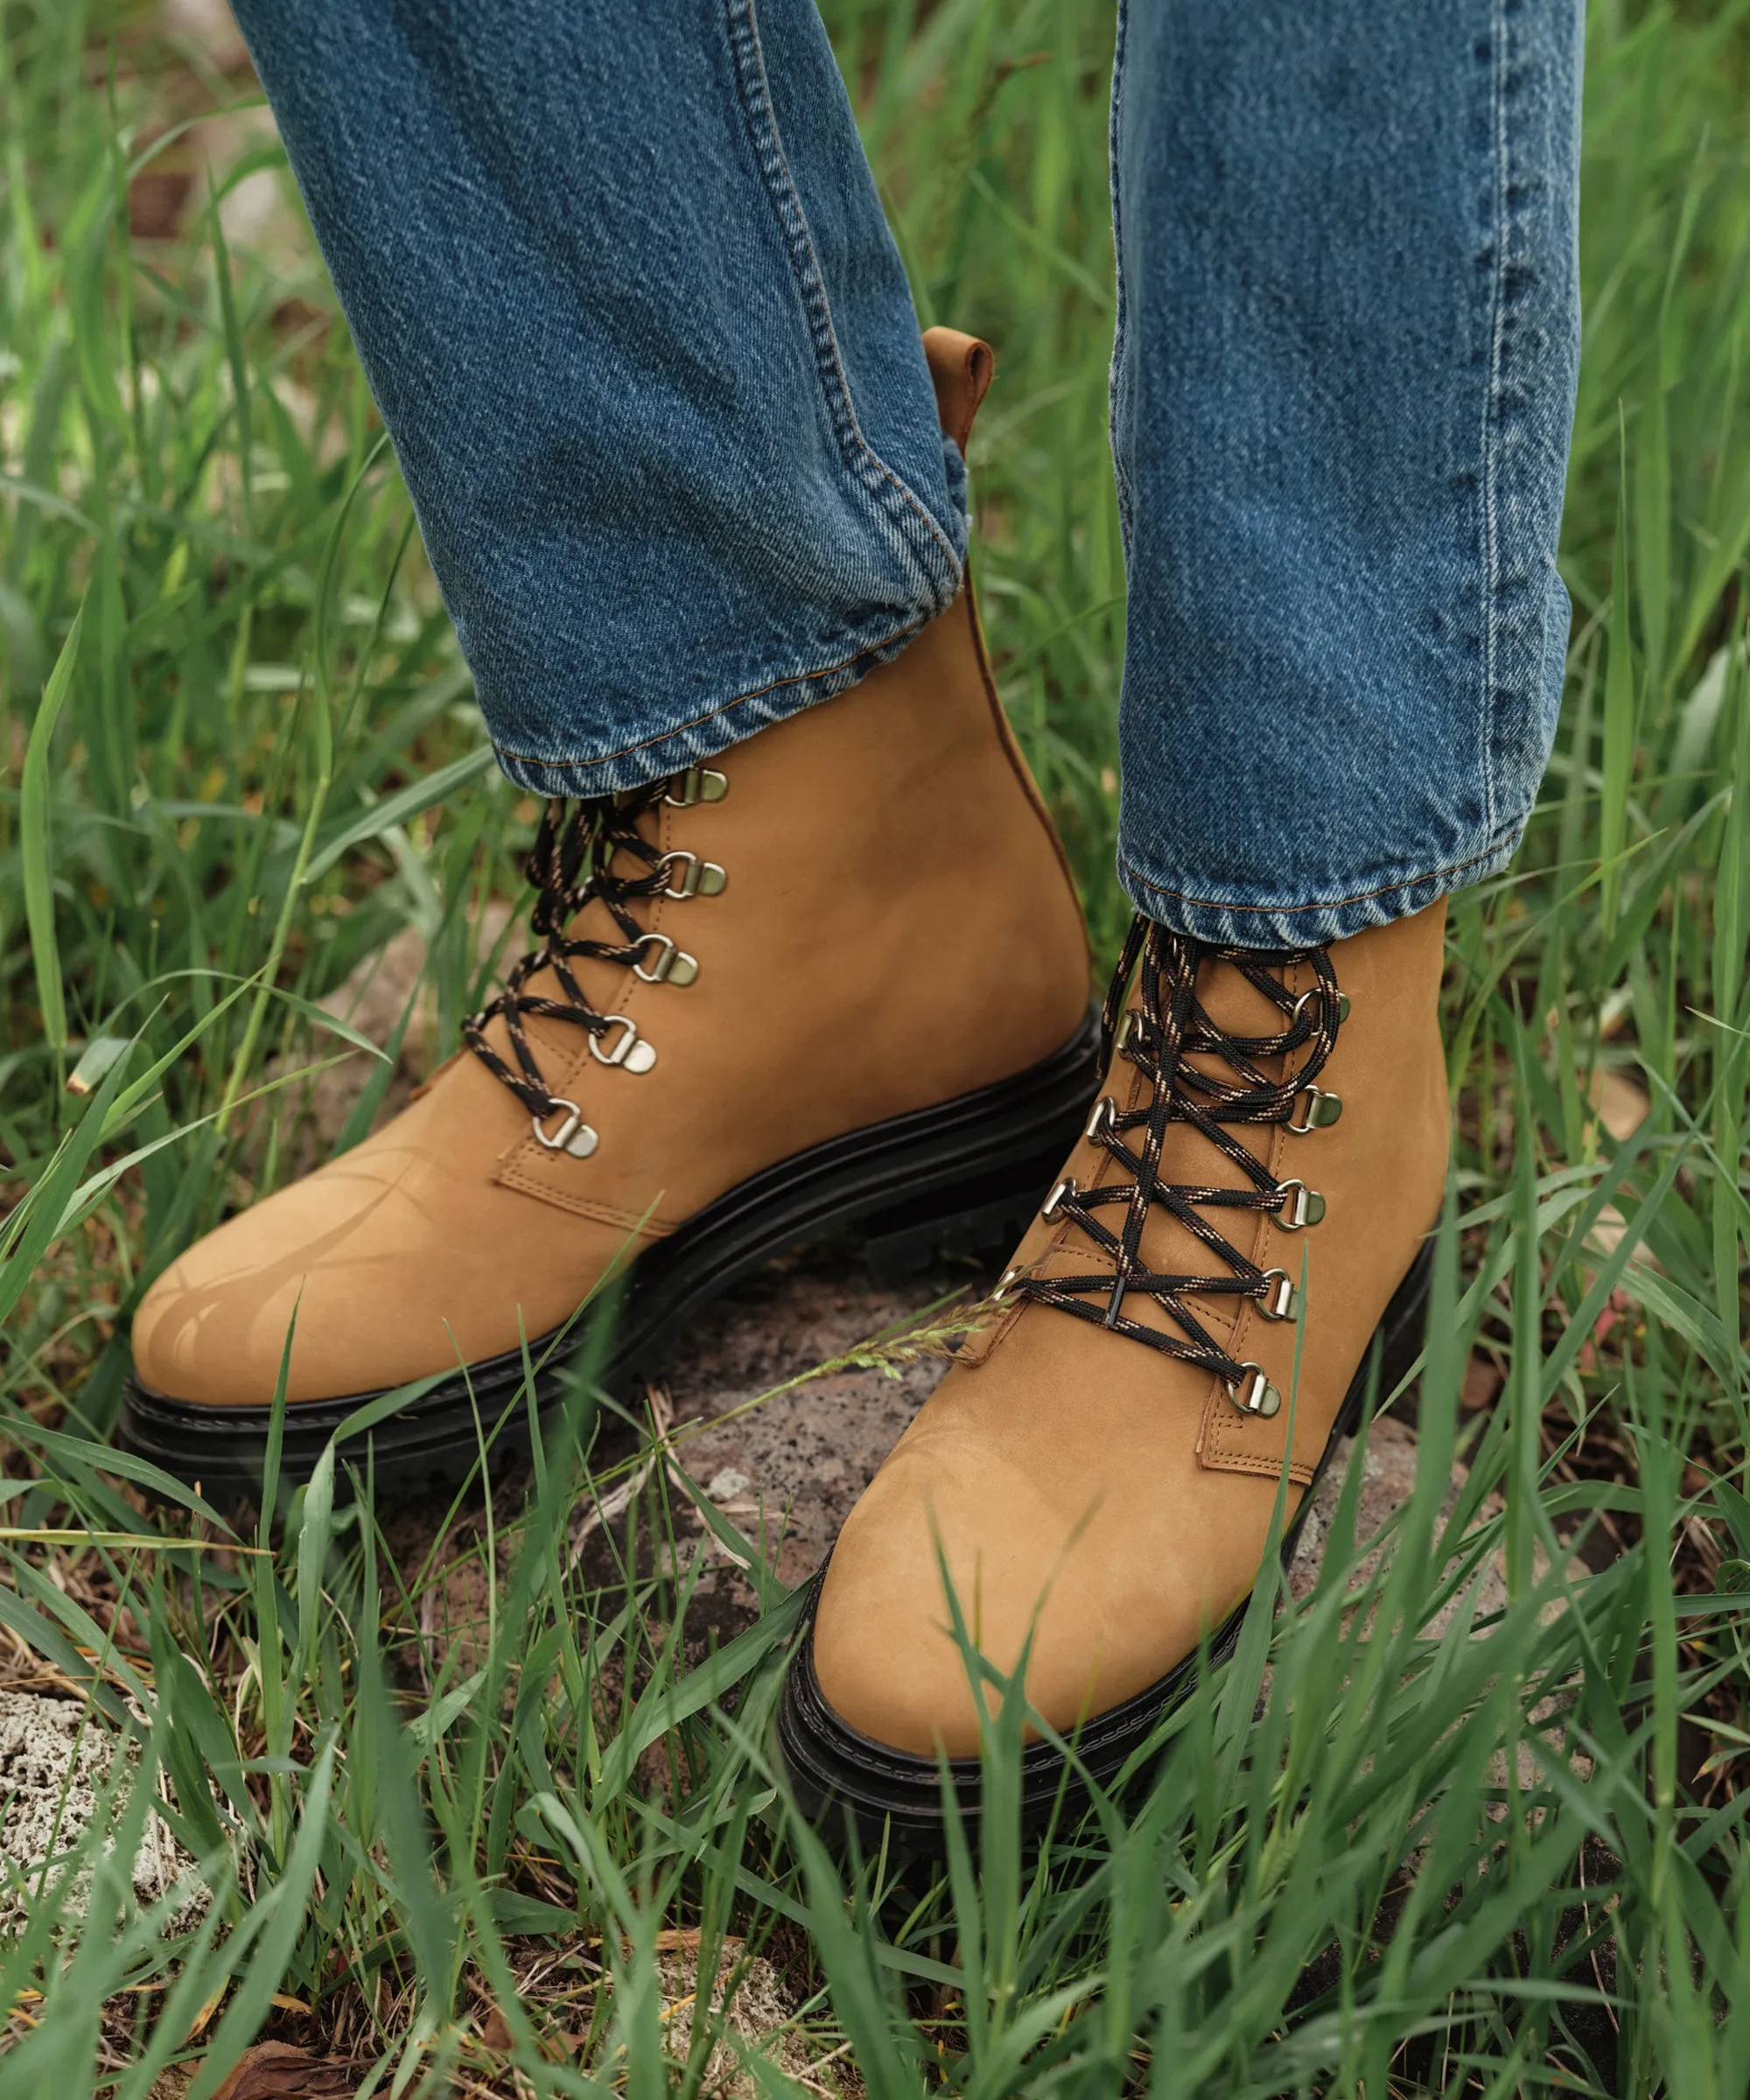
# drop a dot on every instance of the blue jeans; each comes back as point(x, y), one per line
point(622, 286)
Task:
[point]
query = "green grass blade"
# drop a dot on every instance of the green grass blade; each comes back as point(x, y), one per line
point(34, 844)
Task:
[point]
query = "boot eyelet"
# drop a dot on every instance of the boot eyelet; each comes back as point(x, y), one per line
point(1054, 1202)
point(1279, 1301)
point(1005, 1284)
point(702, 878)
point(1321, 1111)
point(631, 1053)
point(1252, 1393)
point(1100, 1120)
point(573, 1136)
point(696, 784)
point(1317, 992)
point(1300, 1206)
point(1131, 1027)
point(672, 964)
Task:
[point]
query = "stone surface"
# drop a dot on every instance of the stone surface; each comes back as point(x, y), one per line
point(55, 1760)
point(787, 1470)
point(1388, 1480)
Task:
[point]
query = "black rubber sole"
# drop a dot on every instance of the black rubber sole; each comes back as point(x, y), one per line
point(963, 1177)
point(896, 1796)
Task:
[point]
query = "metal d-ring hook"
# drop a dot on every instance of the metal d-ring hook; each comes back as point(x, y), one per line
point(573, 1136)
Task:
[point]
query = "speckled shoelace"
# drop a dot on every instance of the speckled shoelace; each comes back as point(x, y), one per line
point(1160, 1035)
point(572, 865)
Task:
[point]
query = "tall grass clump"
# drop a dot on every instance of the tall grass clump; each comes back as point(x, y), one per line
point(1465, 1820)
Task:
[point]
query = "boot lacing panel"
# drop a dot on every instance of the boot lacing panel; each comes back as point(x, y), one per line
point(571, 865)
point(1160, 1035)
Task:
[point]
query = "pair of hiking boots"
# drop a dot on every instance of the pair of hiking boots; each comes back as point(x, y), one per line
point(839, 973)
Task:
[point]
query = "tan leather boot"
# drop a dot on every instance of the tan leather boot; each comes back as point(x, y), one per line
point(1097, 1474)
point(837, 974)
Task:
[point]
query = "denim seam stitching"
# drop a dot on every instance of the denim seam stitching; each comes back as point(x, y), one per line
point(1493, 406)
point(1324, 904)
point(679, 729)
point(870, 468)
point(1121, 303)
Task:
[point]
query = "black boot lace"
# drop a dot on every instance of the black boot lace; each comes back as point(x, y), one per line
point(1160, 1035)
point(572, 865)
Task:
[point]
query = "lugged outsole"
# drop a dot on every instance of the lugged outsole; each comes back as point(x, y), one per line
point(964, 1176)
point(897, 1796)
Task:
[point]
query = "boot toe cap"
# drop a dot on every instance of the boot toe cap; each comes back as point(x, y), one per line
point(213, 1330)
point(372, 1282)
point(1034, 1576)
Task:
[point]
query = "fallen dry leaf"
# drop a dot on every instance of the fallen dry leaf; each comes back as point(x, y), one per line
point(1622, 1106)
point(495, 2033)
point(203, 2019)
point(1483, 1383)
point(684, 1939)
point(277, 2070)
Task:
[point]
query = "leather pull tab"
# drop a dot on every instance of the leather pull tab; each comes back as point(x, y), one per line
point(962, 369)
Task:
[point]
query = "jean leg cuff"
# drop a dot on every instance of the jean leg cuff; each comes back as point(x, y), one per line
point(710, 734)
point(1247, 923)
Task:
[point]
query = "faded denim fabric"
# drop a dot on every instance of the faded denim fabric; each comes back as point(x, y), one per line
point(622, 287)
point(621, 284)
point(1343, 391)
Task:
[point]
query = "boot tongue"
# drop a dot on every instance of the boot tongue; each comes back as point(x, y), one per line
point(1235, 1006)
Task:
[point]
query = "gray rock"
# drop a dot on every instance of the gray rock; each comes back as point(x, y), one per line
point(786, 1471)
point(56, 1758)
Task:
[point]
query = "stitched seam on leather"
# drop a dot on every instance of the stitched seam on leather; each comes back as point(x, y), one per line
point(981, 1344)
point(652, 1227)
point(1301, 1471)
point(1018, 763)
point(762, 123)
point(1221, 1434)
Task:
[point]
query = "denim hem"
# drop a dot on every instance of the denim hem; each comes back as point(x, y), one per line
point(907, 522)
point(705, 736)
point(1282, 925)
